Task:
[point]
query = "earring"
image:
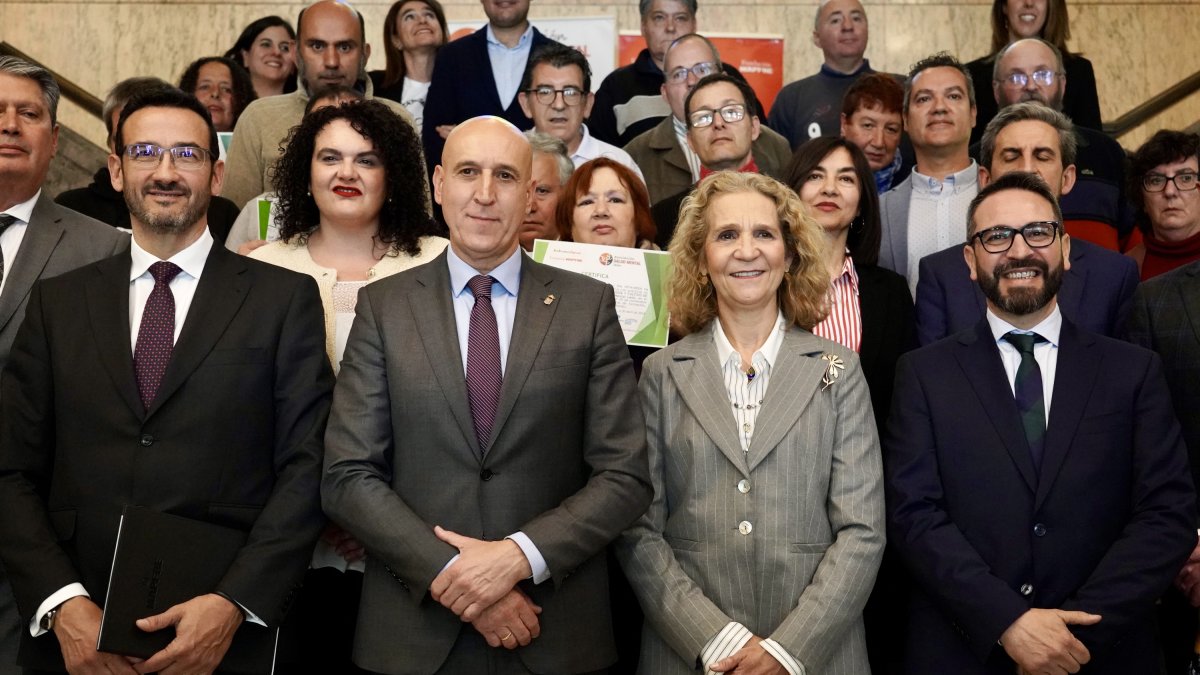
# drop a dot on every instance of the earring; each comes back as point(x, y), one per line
point(856, 225)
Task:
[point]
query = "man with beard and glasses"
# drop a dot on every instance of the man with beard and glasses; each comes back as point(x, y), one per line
point(176, 376)
point(1037, 482)
point(1099, 285)
point(331, 51)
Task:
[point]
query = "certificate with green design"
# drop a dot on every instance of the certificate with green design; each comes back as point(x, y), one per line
point(639, 279)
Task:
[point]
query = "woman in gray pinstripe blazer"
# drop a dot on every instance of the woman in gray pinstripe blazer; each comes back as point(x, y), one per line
point(766, 530)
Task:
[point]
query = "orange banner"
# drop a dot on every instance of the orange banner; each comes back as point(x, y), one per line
point(760, 59)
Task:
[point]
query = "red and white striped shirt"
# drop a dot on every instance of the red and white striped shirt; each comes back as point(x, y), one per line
point(844, 323)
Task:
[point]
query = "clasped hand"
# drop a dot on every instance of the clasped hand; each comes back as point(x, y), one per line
point(751, 659)
point(1041, 643)
point(483, 573)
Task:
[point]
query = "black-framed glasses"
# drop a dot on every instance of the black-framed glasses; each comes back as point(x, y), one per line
point(734, 112)
point(700, 70)
point(185, 156)
point(1038, 234)
point(1044, 77)
point(546, 95)
point(1156, 182)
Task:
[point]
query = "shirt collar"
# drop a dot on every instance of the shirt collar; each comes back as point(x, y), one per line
point(830, 72)
point(586, 143)
point(849, 273)
point(769, 350)
point(522, 43)
point(191, 259)
point(1049, 328)
point(957, 182)
point(24, 211)
point(507, 274)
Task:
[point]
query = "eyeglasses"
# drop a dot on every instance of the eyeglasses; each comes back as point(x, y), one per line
point(734, 112)
point(1156, 182)
point(1044, 77)
point(546, 95)
point(185, 156)
point(1038, 234)
point(700, 70)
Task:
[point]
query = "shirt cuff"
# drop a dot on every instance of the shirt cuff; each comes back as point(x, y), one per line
point(451, 562)
point(59, 597)
point(249, 616)
point(780, 654)
point(732, 637)
point(537, 563)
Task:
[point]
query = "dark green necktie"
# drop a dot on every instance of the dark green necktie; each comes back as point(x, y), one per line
point(1028, 389)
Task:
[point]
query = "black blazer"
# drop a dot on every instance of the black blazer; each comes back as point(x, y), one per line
point(888, 330)
point(233, 437)
point(463, 87)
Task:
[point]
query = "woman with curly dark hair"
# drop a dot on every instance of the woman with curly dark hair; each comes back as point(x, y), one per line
point(223, 88)
point(267, 50)
point(350, 199)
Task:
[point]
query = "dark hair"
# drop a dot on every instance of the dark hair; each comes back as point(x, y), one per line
point(644, 6)
point(166, 98)
point(1056, 30)
point(938, 60)
point(40, 76)
point(1029, 111)
point(250, 33)
point(1164, 147)
point(395, 70)
point(124, 90)
point(863, 240)
point(1014, 180)
point(747, 93)
point(404, 218)
point(874, 89)
point(334, 91)
point(581, 181)
point(243, 88)
point(557, 56)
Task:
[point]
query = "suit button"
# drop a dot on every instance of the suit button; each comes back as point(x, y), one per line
point(743, 486)
point(1039, 530)
point(146, 440)
point(486, 475)
point(745, 527)
point(1027, 590)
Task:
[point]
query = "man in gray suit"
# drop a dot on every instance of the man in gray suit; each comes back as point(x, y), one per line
point(487, 501)
point(928, 211)
point(38, 238)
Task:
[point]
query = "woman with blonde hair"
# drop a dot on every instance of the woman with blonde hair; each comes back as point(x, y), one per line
point(766, 530)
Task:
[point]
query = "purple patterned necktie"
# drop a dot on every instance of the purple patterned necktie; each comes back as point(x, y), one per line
point(156, 336)
point(483, 360)
point(1027, 387)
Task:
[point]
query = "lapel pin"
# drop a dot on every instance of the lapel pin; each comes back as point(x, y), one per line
point(549, 299)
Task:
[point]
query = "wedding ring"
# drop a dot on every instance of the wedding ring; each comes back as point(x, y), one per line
point(506, 636)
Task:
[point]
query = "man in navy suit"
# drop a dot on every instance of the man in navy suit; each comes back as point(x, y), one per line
point(1099, 285)
point(1037, 481)
point(479, 74)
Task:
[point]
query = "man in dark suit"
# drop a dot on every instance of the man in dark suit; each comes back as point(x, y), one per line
point(532, 465)
point(1165, 317)
point(178, 377)
point(1037, 481)
point(1099, 284)
point(38, 238)
point(479, 74)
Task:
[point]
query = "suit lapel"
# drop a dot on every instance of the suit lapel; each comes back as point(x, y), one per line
point(43, 233)
point(1191, 302)
point(1074, 378)
point(483, 67)
point(794, 378)
point(982, 368)
point(873, 311)
point(108, 314)
point(698, 379)
point(219, 294)
point(530, 324)
point(663, 138)
point(1070, 294)
point(433, 315)
point(897, 225)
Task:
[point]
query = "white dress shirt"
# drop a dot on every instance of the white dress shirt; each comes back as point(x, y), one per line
point(10, 240)
point(693, 160)
point(746, 396)
point(937, 215)
point(1045, 353)
point(508, 63)
point(507, 284)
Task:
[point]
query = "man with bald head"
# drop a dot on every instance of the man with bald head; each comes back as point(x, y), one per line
point(487, 442)
point(331, 51)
